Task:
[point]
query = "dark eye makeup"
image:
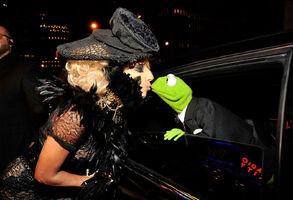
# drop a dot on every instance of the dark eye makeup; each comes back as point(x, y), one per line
point(139, 68)
point(138, 79)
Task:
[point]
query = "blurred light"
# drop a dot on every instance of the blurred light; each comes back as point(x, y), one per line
point(138, 15)
point(94, 25)
point(166, 43)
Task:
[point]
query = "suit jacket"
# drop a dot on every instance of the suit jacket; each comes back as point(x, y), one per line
point(217, 122)
point(16, 109)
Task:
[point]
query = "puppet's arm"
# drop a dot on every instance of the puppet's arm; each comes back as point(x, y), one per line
point(174, 133)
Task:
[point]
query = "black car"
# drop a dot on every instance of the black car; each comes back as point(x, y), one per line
point(254, 83)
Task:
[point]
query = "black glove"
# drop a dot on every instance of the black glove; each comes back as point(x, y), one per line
point(100, 186)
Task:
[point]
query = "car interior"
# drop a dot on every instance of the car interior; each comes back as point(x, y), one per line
point(252, 92)
point(208, 166)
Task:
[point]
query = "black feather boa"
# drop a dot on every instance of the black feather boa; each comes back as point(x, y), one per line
point(124, 87)
point(111, 148)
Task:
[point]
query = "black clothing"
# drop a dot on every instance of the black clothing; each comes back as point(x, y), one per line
point(93, 131)
point(15, 124)
point(217, 122)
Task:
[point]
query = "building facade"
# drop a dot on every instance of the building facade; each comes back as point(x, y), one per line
point(52, 33)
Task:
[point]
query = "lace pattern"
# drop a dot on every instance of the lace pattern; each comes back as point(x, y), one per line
point(67, 126)
point(68, 131)
point(18, 183)
point(16, 168)
point(18, 180)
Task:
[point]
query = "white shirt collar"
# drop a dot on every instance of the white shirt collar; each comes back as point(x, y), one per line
point(181, 116)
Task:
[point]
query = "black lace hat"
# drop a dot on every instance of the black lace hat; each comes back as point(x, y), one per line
point(128, 40)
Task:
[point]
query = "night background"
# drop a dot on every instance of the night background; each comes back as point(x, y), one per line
point(188, 27)
point(186, 30)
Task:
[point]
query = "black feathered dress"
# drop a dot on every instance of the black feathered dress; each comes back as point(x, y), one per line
point(94, 133)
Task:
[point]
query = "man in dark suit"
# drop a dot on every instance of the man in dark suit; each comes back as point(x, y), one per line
point(16, 105)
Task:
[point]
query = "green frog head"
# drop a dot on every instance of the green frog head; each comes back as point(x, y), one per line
point(174, 91)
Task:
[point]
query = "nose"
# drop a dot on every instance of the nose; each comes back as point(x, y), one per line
point(149, 76)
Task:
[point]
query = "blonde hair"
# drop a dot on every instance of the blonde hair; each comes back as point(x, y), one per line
point(85, 74)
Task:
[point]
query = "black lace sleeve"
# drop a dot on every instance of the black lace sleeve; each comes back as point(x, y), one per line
point(67, 128)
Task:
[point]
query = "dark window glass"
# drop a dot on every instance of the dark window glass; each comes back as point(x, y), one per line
point(213, 168)
point(252, 92)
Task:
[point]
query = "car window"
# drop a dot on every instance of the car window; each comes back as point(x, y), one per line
point(252, 92)
point(211, 167)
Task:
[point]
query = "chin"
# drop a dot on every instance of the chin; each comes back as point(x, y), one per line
point(143, 95)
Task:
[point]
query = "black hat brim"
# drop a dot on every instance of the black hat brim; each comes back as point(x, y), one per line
point(100, 45)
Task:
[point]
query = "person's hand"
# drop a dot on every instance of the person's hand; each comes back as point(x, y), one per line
point(174, 133)
point(98, 186)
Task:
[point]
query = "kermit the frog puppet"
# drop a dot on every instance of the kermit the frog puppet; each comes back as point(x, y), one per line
point(201, 116)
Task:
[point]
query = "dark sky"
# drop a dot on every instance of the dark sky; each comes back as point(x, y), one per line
point(256, 16)
point(246, 11)
point(248, 18)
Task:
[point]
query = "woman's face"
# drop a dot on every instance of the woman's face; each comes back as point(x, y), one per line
point(141, 71)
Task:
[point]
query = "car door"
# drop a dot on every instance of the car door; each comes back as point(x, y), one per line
point(254, 86)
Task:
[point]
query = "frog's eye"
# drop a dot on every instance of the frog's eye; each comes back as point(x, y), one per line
point(171, 80)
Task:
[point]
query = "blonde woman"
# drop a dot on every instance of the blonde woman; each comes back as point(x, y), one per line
point(77, 152)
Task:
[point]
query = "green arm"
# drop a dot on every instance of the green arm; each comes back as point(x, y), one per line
point(174, 133)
